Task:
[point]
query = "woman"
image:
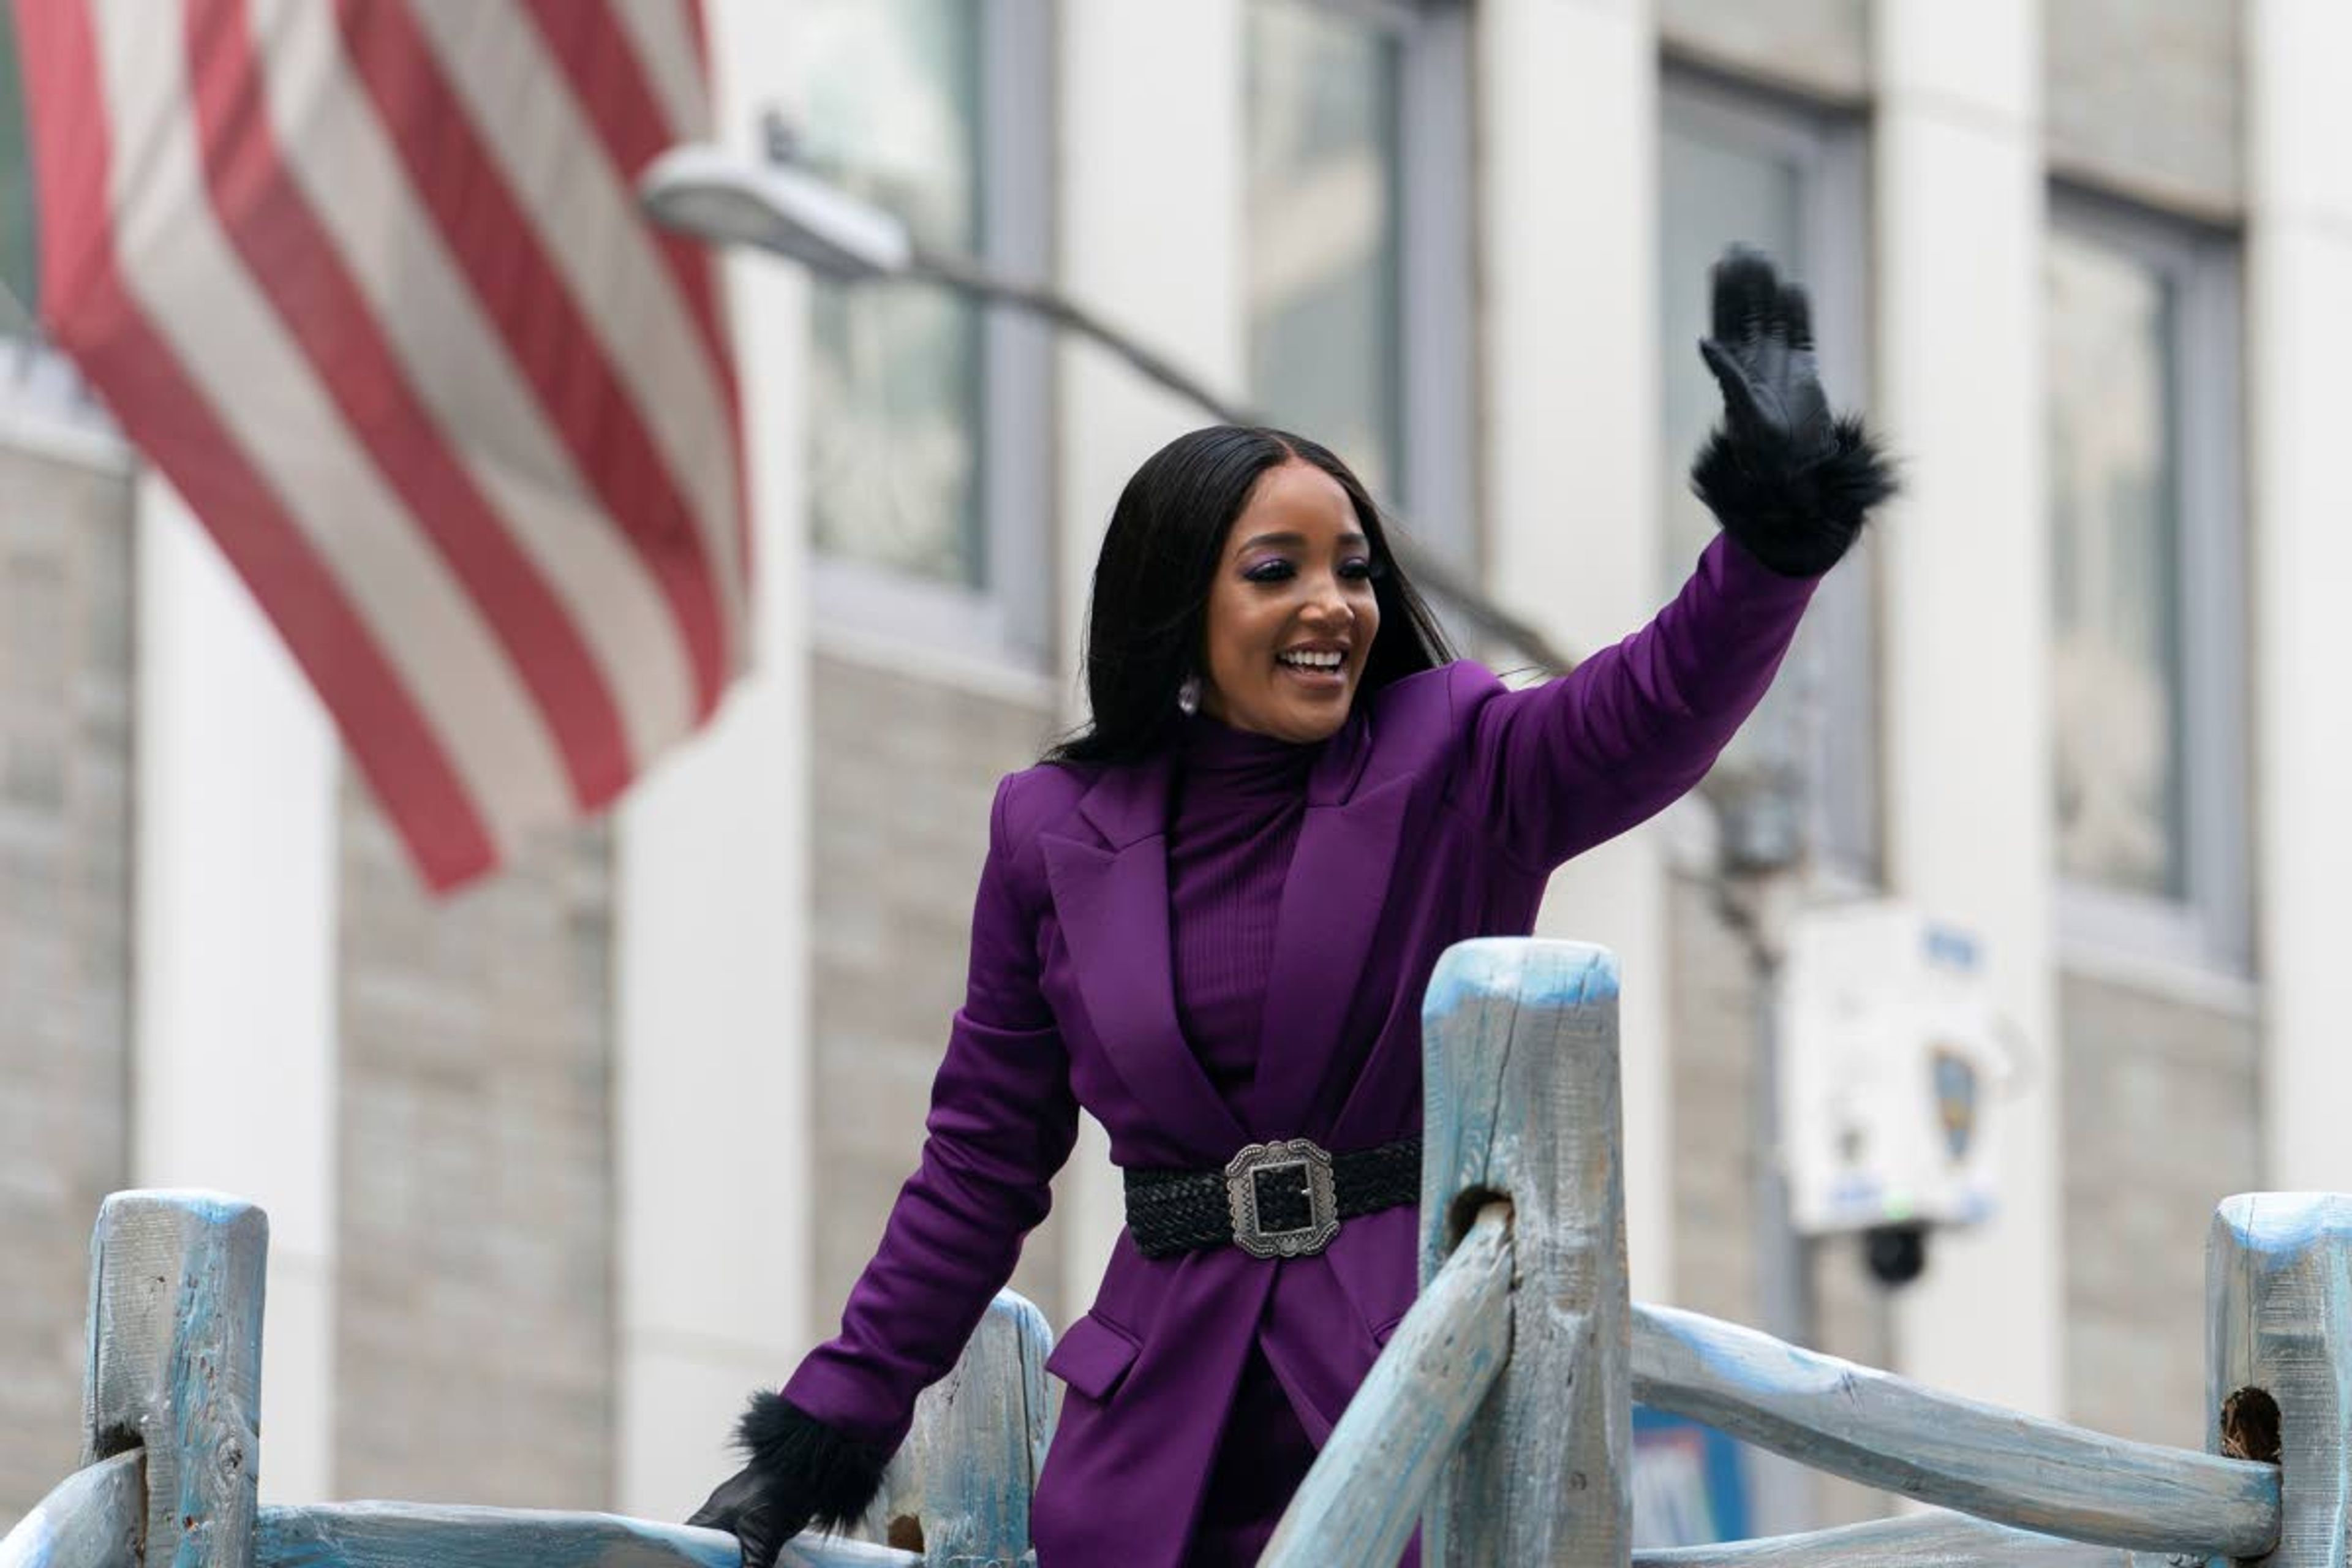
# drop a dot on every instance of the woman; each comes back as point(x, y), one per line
point(1209, 919)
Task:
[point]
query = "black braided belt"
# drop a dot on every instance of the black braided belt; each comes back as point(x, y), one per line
point(1271, 1200)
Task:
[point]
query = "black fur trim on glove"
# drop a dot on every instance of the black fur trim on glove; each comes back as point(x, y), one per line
point(802, 1457)
point(1797, 516)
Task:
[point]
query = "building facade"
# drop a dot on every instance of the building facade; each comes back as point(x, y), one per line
point(583, 1154)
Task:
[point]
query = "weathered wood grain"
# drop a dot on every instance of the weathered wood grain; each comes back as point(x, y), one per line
point(176, 1365)
point(1919, 1541)
point(971, 1460)
point(1364, 1496)
point(93, 1520)
point(2278, 1290)
point(1519, 1040)
point(1466, 1408)
point(1888, 1432)
point(419, 1536)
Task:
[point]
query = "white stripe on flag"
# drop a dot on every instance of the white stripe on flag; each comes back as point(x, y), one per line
point(492, 58)
point(336, 150)
point(178, 265)
point(662, 34)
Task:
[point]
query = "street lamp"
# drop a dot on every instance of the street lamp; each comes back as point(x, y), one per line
point(775, 206)
point(706, 191)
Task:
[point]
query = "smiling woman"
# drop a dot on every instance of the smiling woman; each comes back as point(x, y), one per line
point(1230, 547)
point(1209, 918)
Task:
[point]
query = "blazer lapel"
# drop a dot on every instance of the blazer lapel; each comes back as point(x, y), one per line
point(1331, 903)
point(1112, 903)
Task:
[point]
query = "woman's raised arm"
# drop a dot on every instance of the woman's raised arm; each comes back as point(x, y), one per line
point(1560, 767)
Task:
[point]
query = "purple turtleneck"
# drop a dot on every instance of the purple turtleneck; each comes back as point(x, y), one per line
point(1235, 804)
point(1235, 811)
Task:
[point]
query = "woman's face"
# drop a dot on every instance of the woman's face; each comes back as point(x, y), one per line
point(1291, 612)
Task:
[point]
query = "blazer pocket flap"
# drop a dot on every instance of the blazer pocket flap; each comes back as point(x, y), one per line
point(1093, 1356)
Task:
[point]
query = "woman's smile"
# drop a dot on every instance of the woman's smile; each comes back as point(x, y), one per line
point(1317, 670)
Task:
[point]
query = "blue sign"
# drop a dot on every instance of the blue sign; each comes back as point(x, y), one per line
point(1689, 1486)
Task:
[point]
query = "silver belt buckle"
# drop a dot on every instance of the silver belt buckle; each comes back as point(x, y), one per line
point(1256, 1160)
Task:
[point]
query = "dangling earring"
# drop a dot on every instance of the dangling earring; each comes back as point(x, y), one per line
point(1188, 696)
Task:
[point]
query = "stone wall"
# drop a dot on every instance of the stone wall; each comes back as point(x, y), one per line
point(1816, 46)
point(474, 1333)
point(65, 930)
point(906, 772)
point(2161, 1107)
point(2147, 97)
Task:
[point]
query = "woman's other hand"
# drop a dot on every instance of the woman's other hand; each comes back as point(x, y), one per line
point(759, 1514)
point(802, 1473)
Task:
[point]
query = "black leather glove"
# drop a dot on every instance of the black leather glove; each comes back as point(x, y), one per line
point(1787, 479)
point(802, 1473)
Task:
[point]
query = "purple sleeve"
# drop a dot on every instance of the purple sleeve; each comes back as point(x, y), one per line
point(1557, 768)
point(1003, 1121)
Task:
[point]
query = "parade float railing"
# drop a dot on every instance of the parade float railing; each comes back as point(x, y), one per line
point(1498, 1415)
point(171, 1443)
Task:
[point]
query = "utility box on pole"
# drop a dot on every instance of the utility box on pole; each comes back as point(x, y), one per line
point(1891, 1072)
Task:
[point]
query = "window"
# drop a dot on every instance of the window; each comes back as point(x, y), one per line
point(926, 414)
point(44, 403)
point(1357, 120)
point(1741, 167)
point(20, 259)
point(1324, 228)
point(2145, 618)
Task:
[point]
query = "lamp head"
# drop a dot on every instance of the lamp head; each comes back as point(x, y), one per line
point(709, 192)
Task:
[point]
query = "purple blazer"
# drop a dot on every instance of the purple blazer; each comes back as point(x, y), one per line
point(1437, 814)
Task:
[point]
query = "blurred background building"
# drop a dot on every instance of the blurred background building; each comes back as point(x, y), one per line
point(558, 1169)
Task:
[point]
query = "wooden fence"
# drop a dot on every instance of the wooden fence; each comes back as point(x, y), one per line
point(1498, 1416)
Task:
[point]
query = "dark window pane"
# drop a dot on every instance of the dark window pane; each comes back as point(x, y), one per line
point(889, 107)
point(2115, 568)
point(1324, 330)
point(1717, 191)
point(19, 248)
point(1719, 187)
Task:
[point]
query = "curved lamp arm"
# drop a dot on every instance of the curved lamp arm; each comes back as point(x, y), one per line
point(704, 191)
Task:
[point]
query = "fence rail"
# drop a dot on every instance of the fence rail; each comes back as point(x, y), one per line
point(1936, 1448)
point(1411, 1414)
point(93, 1520)
point(1498, 1419)
point(1921, 1540)
point(413, 1535)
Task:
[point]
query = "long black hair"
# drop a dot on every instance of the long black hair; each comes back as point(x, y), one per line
point(1148, 619)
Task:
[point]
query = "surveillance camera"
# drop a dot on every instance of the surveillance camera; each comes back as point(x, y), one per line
point(1897, 1253)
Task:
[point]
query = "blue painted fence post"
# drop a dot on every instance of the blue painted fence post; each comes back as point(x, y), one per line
point(175, 1368)
point(969, 1463)
point(1519, 1074)
point(2278, 1359)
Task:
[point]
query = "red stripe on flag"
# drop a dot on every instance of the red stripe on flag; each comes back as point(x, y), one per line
point(70, 167)
point(610, 87)
point(140, 372)
point(268, 220)
point(544, 332)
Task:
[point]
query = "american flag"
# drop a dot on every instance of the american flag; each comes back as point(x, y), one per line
point(366, 281)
